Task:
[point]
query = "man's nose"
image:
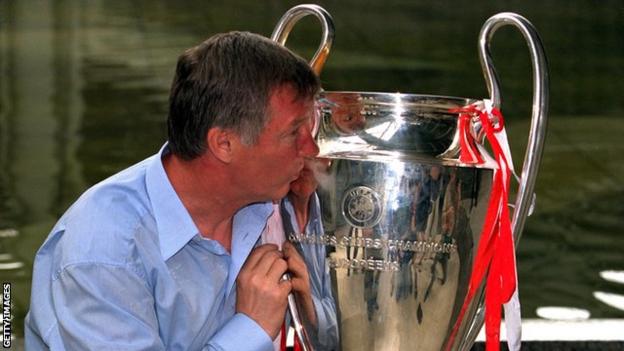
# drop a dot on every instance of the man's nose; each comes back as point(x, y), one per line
point(308, 147)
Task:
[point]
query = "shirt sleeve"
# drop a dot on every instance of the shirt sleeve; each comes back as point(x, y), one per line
point(230, 336)
point(104, 307)
point(109, 307)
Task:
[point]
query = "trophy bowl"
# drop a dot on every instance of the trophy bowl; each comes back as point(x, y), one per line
point(388, 124)
point(401, 223)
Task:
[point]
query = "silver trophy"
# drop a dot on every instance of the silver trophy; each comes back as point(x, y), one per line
point(401, 214)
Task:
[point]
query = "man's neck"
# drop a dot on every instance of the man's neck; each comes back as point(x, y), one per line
point(208, 196)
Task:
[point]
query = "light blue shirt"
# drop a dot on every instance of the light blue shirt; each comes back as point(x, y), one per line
point(126, 269)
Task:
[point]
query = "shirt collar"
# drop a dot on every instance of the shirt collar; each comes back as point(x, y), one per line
point(247, 226)
point(175, 225)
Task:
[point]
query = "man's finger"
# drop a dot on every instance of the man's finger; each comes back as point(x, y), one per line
point(257, 253)
point(267, 261)
point(292, 256)
point(277, 270)
point(285, 287)
point(290, 250)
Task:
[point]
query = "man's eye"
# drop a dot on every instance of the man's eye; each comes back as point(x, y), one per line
point(291, 134)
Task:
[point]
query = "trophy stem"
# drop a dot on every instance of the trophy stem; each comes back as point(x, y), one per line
point(300, 332)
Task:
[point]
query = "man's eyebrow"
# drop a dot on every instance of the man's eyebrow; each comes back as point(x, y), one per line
point(302, 119)
point(299, 121)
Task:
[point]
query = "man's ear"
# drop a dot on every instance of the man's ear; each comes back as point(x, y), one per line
point(222, 143)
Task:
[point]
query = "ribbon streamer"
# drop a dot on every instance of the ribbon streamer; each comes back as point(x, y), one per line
point(496, 251)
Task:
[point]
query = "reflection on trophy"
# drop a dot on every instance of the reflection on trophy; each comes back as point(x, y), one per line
point(408, 204)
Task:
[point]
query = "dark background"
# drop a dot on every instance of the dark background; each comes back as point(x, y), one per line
point(83, 94)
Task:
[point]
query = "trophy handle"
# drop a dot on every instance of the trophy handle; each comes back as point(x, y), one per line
point(537, 134)
point(292, 16)
point(280, 35)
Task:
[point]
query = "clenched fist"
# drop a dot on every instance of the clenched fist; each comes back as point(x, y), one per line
point(260, 292)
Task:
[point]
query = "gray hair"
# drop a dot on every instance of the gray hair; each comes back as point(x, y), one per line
point(226, 82)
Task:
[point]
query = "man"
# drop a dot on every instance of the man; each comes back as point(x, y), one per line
point(163, 255)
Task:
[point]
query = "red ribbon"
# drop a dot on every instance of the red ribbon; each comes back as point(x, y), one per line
point(468, 148)
point(496, 246)
point(297, 346)
point(283, 337)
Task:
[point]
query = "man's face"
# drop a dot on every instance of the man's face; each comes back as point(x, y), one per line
point(277, 158)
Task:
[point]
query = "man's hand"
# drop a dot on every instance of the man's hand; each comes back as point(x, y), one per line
point(260, 292)
point(300, 280)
